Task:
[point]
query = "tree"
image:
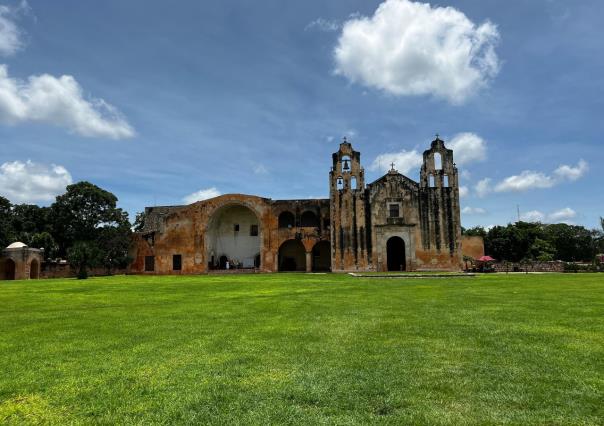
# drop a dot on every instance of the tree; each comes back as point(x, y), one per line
point(139, 221)
point(78, 214)
point(46, 241)
point(541, 250)
point(113, 244)
point(477, 231)
point(6, 229)
point(82, 255)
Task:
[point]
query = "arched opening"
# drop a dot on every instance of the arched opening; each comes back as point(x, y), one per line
point(292, 256)
point(321, 257)
point(286, 220)
point(395, 253)
point(431, 181)
point(229, 242)
point(34, 269)
point(339, 183)
point(353, 183)
point(445, 181)
point(346, 164)
point(9, 269)
point(309, 219)
point(438, 163)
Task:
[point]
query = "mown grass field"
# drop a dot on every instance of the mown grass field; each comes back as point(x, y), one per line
point(303, 349)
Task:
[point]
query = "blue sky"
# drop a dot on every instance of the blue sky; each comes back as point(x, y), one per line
point(162, 100)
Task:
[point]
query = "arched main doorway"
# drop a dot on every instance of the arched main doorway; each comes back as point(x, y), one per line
point(395, 253)
point(9, 269)
point(321, 256)
point(34, 269)
point(233, 238)
point(292, 256)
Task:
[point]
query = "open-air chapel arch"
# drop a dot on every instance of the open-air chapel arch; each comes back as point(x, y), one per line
point(233, 235)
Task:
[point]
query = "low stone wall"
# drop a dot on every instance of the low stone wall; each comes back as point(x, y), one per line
point(555, 266)
point(64, 270)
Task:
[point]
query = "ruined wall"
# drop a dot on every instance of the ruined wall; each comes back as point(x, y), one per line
point(355, 221)
point(472, 246)
point(187, 231)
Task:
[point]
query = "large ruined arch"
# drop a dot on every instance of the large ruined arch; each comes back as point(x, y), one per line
point(292, 256)
point(233, 237)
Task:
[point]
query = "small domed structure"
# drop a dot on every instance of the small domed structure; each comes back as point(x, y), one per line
point(17, 244)
point(19, 262)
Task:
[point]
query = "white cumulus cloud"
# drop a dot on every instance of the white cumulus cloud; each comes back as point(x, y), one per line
point(473, 210)
point(559, 216)
point(566, 172)
point(61, 102)
point(404, 161)
point(562, 215)
point(31, 182)
point(408, 48)
point(533, 216)
point(202, 194)
point(529, 179)
point(468, 148)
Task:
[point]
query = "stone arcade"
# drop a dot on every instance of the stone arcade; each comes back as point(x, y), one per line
point(392, 224)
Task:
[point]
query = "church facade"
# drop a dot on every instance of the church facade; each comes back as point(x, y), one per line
point(391, 224)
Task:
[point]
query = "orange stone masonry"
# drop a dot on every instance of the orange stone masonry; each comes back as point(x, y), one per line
point(393, 223)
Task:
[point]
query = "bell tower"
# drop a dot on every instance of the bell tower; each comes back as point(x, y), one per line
point(441, 222)
point(347, 210)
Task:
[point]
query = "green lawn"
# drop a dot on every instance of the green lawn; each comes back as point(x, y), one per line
point(303, 349)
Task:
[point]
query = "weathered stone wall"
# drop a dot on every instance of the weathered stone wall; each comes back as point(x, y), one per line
point(472, 246)
point(64, 270)
point(555, 266)
point(355, 221)
point(185, 231)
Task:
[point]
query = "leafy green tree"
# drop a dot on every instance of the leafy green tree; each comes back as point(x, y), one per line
point(113, 244)
point(78, 214)
point(82, 255)
point(477, 231)
point(139, 221)
point(541, 250)
point(571, 242)
point(29, 219)
point(6, 229)
point(46, 241)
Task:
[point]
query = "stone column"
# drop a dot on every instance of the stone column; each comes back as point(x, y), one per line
point(309, 261)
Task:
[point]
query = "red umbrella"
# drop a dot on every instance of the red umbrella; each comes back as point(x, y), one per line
point(486, 259)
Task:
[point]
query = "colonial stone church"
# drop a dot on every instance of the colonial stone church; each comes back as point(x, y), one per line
point(392, 224)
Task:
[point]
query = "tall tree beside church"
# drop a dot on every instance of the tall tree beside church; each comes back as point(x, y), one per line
point(80, 214)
